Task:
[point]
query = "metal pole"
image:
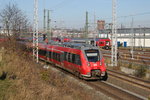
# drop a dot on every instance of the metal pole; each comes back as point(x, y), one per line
point(35, 31)
point(44, 24)
point(86, 25)
point(140, 37)
point(144, 37)
point(48, 25)
point(132, 39)
point(114, 35)
point(95, 29)
point(48, 21)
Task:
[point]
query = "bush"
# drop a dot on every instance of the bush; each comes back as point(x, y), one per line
point(141, 71)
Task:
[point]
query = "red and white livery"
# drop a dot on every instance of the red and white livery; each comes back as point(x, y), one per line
point(85, 61)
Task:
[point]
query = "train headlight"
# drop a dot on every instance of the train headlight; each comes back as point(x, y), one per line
point(88, 63)
point(103, 74)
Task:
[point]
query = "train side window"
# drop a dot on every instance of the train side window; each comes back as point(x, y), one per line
point(107, 42)
point(101, 42)
point(50, 54)
point(42, 52)
point(69, 57)
point(57, 56)
point(62, 58)
point(54, 55)
point(77, 60)
point(65, 56)
point(47, 54)
point(39, 52)
point(73, 58)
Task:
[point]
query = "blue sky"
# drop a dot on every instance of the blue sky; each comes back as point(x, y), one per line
point(71, 13)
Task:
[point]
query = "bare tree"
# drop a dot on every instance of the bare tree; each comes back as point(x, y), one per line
point(14, 20)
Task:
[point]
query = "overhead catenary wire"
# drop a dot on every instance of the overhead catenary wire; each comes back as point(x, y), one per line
point(59, 5)
point(131, 15)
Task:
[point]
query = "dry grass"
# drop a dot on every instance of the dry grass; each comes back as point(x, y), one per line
point(26, 80)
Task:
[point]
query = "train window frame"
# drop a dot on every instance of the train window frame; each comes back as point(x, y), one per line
point(107, 43)
point(42, 52)
point(62, 58)
point(78, 60)
point(54, 56)
point(65, 56)
point(58, 57)
point(73, 58)
point(90, 57)
point(69, 57)
point(101, 42)
point(50, 54)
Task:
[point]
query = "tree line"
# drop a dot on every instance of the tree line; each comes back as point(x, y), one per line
point(13, 20)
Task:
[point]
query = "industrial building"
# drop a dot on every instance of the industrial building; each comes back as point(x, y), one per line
point(141, 36)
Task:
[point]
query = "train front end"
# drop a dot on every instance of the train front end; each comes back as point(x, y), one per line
point(93, 65)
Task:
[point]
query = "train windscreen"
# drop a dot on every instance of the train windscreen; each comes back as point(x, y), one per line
point(92, 55)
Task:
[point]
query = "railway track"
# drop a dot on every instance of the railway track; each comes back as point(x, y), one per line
point(115, 92)
point(145, 84)
point(120, 91)
point(110, 89)
point(142, 57)
point(128, 52)
point(130, 60)
point(128, 55)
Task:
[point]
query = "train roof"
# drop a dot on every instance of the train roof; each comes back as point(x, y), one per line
point(73, 45)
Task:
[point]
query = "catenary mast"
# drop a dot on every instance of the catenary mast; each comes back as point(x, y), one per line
point(114, 35)
point(35, 31)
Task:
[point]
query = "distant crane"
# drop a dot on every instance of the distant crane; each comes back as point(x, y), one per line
point(35, 31)
point(114, 35)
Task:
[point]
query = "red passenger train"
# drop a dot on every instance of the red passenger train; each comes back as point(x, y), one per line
point(104, 43)
point(3, 39)
point(85, 61)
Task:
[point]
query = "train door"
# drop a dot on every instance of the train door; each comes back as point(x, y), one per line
point(62, 59)
point(66, 60)
point(69, 61)
point(77, 62)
